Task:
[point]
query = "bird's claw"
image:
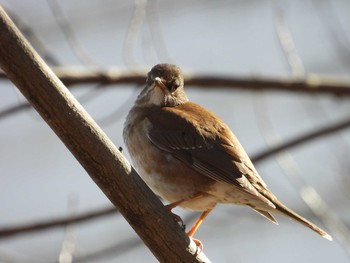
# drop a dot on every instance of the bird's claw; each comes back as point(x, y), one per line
point(199, 245)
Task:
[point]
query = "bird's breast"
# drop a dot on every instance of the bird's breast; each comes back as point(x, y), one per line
point(167, 176)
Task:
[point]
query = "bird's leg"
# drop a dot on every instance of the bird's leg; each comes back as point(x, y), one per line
point(198, 222)
point(179, 202)
point(195, 227)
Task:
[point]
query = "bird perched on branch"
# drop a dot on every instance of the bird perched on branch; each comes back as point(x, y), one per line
point(190, 157)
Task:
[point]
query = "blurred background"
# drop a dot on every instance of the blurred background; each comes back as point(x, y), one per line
point(43, 185)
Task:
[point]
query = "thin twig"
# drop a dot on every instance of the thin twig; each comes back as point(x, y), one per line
point(154, 24)
point(68, 248)
point(69, 33)
point(338, 146)
point(56, 222)
point(287, 44)
point(306, 137)
point(133, 32)
point(14, 109)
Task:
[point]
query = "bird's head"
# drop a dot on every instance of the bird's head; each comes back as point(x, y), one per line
point(165, 87)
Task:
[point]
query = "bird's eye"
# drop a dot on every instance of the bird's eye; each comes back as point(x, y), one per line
point(172, 86)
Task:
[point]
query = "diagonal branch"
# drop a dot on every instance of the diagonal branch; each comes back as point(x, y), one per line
point(92, 148)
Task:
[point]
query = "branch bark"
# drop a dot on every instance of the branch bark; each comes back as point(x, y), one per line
point(92, 148)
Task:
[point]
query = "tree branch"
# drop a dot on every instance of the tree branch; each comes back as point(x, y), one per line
point(57, 222)
point(309, 136)
point(309, 84)
point(92, 148)
point(313, 84)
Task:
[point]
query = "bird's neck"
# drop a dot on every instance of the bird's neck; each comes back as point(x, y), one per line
point(156, 98)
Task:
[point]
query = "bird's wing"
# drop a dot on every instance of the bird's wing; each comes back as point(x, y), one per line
point(200, 139)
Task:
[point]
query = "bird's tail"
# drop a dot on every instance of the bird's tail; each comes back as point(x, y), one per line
point(282, 209)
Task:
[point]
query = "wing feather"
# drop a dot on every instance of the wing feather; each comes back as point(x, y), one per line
point(200, 139)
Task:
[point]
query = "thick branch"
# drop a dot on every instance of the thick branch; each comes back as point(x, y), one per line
point(310, 84)
point(92, 148)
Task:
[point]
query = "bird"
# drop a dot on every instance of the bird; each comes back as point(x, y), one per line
point(190, 157)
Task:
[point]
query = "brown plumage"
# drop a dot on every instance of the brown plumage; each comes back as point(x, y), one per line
point(189, 156)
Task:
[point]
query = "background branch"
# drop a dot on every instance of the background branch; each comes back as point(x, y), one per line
point(306, 137)
point(310, 84)
point(56, 222)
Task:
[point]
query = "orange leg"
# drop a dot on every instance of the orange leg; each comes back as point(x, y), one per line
point(198, 222)
point(195, 227)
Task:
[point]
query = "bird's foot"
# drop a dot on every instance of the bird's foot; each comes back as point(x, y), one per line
point(199, 244)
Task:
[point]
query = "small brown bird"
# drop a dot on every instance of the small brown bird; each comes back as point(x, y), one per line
point(190, 157)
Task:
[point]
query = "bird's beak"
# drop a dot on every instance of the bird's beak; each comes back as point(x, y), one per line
point(159, 83)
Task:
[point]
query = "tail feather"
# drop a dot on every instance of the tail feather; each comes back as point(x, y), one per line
point(267, 215)
point(282, 209)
